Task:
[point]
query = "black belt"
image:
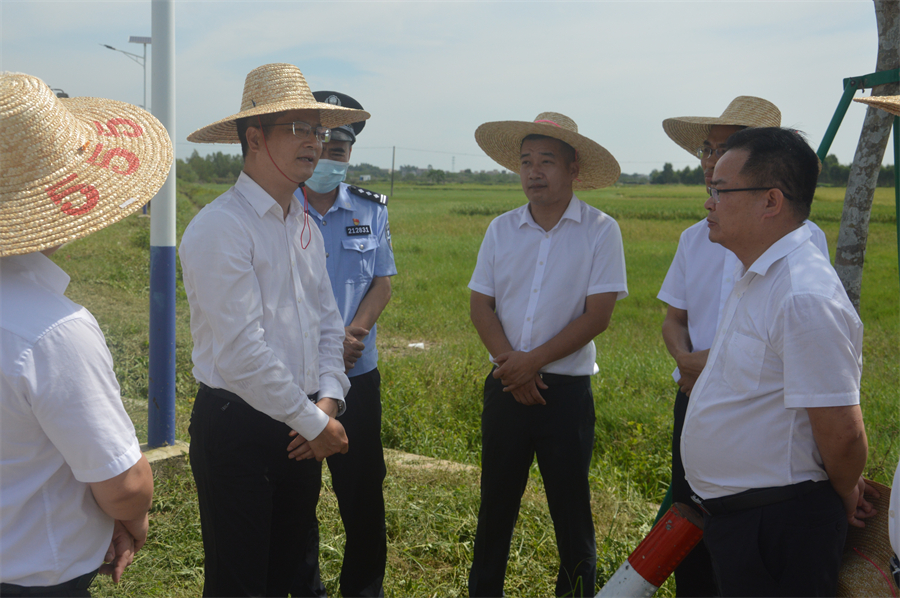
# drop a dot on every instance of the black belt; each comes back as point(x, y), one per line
point(227, 395)
point(81, 582)
point(562, 379)
point(758, 497)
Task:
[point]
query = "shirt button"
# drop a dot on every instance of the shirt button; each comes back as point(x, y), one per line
point(361, 246)
point(305, 335)
point(541, 263)
point(546, 236)
point(299, 300)
point(528, 319)
point(324, 223)
point(326, 254)
point(534, 291)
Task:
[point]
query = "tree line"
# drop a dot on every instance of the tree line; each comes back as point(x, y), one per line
point(225, 168)
point(833, 174)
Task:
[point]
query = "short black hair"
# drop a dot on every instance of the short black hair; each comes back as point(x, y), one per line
point(252, 121)
point(780, 158)
point(568, 152)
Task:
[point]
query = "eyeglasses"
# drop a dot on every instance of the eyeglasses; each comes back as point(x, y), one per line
point(304, 130)
point(706, 151)
point(714, 193)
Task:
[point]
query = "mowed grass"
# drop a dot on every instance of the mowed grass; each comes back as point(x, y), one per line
point(432, 397)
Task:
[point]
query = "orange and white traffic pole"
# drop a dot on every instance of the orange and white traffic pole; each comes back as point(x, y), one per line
point(651, 563)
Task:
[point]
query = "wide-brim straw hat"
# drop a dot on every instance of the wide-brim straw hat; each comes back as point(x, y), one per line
point(72, 166)
point(744, 111)
point(865, 564)
point(888, 103)
point(502, 141)
point(275, 88)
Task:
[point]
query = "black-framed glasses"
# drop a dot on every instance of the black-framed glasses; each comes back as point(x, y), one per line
point(714, 193)
point(304, 130)
point(707, 151)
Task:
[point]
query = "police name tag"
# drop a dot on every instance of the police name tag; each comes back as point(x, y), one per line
point(359, 230)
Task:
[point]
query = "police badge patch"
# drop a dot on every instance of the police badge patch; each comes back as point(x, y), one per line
point(359, 230)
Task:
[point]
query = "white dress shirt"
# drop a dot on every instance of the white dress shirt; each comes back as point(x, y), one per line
point(701, 278)
point(540, 279)
point(789, 340)
point(263, 317)
point(62, 426)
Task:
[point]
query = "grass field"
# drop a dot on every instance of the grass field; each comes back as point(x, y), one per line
point(432, 397)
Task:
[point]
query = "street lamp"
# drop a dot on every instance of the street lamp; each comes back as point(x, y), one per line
point(141, 60)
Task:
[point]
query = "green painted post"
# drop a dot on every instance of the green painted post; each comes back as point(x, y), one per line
point(851, 85)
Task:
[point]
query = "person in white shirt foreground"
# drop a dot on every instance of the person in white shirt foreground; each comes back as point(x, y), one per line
point(545, 284)
point(268, 343)
point(695, 288)
point(774, 443)
point(75, 490)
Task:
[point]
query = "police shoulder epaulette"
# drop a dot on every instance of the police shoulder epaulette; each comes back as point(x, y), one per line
point(366, 194)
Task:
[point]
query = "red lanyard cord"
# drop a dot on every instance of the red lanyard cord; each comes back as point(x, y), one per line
point(298, 183)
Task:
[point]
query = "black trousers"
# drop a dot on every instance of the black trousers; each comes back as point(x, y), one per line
point(694, 576)
point(74, 588)
point(357, 479)
point(256, 505)
point(790, 548)
point(561, 434)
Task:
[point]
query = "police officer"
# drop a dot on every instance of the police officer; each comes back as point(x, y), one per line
point(360, 262)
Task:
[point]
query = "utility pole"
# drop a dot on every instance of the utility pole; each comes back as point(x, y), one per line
point(161, 407)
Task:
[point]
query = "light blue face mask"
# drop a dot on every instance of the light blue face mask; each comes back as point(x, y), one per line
point(327, 175)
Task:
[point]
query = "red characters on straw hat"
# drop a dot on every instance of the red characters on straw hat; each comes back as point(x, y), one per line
point(112, 131)
point(91, 196)
point(133, 162)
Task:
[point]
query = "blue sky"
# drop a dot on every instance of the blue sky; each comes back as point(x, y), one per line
point(431, 72)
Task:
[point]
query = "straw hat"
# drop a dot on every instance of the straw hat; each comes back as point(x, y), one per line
point(744, 111)
point(867, 550)
point(72, 166)
point(275, 88)
point(502, 141)
point(889, 103)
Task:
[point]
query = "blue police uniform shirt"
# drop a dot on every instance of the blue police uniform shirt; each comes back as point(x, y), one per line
point(357, 248)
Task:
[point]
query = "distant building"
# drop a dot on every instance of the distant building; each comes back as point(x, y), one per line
point(365, 177)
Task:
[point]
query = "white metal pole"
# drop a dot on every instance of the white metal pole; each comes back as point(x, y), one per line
point(161, 408)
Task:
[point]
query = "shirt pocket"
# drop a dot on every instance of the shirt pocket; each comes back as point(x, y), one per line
point(360, 252)
point(744, 363)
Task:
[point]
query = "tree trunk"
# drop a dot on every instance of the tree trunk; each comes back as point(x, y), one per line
point(851, 245)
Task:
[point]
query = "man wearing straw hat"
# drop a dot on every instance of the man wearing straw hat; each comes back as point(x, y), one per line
point(268, 343)
point(75, 489)
point(695, 288)
point(360, 262)
point(773, 441)
point(545, 284)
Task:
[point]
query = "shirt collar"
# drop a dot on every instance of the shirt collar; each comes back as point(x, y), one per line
point(259, 199)
point(341, 202)
point(779, 249)
point(573, 212)
point(39, 268)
